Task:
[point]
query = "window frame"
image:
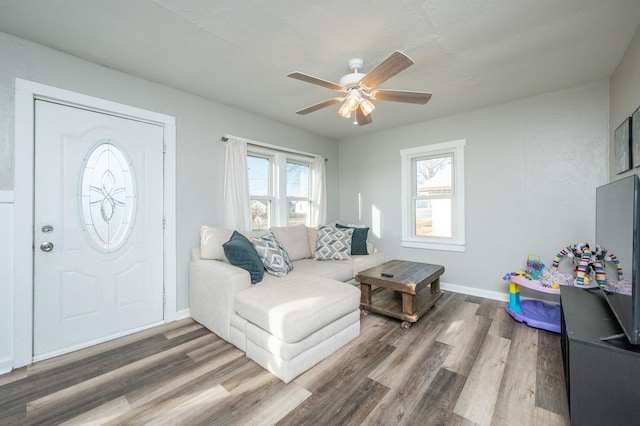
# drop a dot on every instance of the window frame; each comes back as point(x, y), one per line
point(409, 196)
point(278, 198)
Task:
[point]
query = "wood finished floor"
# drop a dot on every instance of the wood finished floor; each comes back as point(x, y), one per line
point(465, 362)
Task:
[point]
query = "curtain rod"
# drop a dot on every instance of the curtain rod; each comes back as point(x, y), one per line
point(225, 138)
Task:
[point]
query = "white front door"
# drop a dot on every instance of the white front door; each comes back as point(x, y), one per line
point(98, 234)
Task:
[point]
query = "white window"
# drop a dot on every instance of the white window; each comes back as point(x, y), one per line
point(261, 190)
point(433, 196)
point(279, 188)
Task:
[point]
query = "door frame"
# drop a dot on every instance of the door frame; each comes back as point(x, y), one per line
point(26, 92)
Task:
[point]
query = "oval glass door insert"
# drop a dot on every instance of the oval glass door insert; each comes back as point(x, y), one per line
point(107, 196)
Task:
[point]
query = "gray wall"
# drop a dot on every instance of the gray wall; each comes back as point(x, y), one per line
point(199, 123)
point(625, 96)
point(531, 169)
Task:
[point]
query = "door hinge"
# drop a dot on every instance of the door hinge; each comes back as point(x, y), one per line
point(164, 223)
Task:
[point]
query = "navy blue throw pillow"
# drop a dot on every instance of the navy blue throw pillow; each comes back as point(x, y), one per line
point(241, 253)
point(358, 239)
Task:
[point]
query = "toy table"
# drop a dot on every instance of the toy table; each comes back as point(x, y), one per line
point(532, 312)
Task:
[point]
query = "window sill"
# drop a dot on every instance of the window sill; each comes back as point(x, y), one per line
point(458, 247)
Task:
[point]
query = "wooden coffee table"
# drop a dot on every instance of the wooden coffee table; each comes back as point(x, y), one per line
point(408, 280)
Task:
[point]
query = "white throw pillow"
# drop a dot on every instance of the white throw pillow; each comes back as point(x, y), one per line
point(333, 244)
point(295, 241)
point(211, 240)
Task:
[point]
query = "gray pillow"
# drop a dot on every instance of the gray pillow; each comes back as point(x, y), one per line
point(273, 255)
point(333, 244)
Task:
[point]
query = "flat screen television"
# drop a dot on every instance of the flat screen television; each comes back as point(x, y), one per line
point(618, 233)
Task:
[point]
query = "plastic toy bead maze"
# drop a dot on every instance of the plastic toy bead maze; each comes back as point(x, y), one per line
point(545, 316)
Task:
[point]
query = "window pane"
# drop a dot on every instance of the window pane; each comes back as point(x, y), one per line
point(433, 218)
point(298, 212)
point(259, 215)
point(297, 180)
point(434, 176)
point(258, 168)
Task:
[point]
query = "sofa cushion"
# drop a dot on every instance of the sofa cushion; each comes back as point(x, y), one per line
point(340, 270)
point(292, 308)
point(333, 244)
point(273, 255)
point(295, 241)
point(359, 263)
point(242, 253)
point(358, 240)
point(211, 240)
point(312, 235)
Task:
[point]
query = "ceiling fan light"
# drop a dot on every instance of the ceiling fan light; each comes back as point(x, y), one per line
point(367, 106)
point(344, 110)
point(353, 100)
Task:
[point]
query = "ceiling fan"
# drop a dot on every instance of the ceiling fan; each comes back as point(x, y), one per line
point(360, 88)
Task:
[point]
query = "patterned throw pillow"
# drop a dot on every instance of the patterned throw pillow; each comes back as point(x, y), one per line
point(333, 244)
point(273, 255)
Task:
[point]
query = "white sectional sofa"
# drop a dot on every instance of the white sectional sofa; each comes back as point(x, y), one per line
point(285, 324)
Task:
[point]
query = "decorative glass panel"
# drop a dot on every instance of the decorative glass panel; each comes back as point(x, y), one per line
point(107, 196)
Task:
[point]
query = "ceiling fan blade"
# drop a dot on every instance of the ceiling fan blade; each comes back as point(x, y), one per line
point(386, 69)
point(321, 105)
point(315, 80)
point(361, 118)
point(401, 96)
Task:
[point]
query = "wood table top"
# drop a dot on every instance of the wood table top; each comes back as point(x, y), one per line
point(407, 277)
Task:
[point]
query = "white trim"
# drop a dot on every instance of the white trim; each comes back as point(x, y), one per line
point(458, 241)
point(25, 94)
point(473, 291)
point(6, 365)
point(270, 146)
point(486, 294)
point(6, 197)
point(182, 314)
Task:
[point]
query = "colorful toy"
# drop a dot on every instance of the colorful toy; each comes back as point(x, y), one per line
point(534, 267)
point(547, 317)
point(532, 312)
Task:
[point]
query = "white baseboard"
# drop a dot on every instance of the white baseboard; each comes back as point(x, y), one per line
point(503, 297)
point(6, 365)
point(472, 291)
point(185, 313)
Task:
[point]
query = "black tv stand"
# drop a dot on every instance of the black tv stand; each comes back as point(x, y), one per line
point(602, 376)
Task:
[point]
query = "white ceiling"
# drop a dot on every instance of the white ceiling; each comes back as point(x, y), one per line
point(468, 53)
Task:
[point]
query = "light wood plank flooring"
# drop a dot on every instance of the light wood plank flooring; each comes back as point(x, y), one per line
point(465, 362)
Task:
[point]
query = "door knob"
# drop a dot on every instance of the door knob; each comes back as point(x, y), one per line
point(46, 246)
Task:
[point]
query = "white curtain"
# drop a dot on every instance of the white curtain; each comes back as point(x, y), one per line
point(319, 193)
point(236, 212)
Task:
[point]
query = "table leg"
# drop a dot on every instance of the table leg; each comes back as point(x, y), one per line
point(365, 294)
point(435, 286)
point(408, 303)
